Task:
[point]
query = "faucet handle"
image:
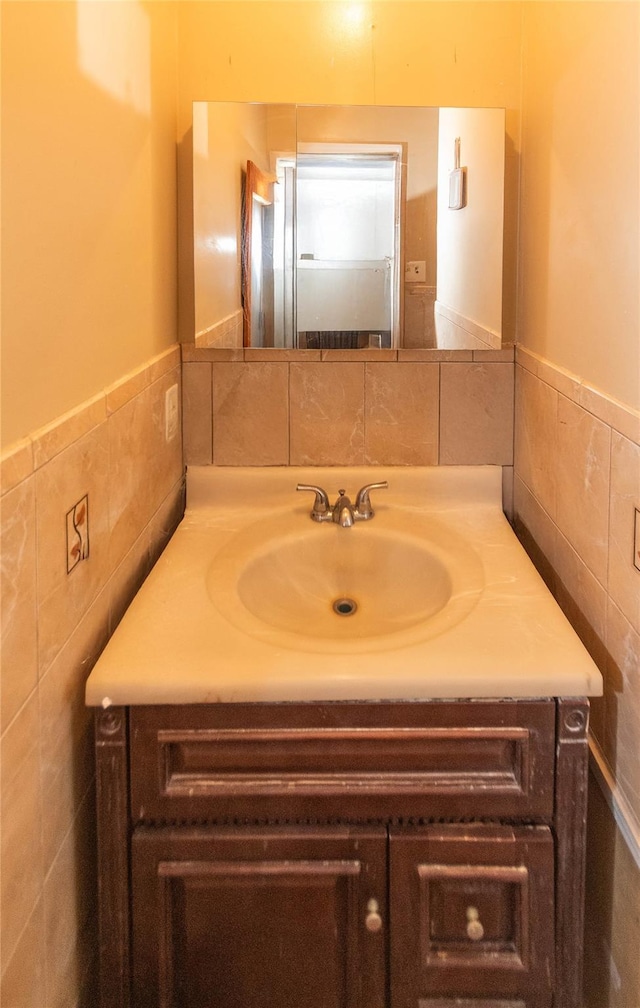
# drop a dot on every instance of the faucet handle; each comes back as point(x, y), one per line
point(363, 502)
point(320, 509)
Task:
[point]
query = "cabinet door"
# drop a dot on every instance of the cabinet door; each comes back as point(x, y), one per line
point(471, 917)
point(259, 918)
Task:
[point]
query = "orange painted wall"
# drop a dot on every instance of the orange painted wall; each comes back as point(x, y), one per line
point(579, 290)
point(88, 200)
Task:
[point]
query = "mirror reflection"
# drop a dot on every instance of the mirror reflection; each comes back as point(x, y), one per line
point(335, 227)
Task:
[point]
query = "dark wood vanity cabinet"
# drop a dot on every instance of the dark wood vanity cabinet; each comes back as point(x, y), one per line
point(342, 855)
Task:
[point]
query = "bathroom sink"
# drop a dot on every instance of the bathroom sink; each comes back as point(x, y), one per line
point(325, 588)
point(431, 598)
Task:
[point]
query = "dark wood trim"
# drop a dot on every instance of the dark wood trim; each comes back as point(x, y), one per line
point(572, 763)
point(112, 798)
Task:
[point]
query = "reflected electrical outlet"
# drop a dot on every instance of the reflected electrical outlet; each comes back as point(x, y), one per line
point(78, 533)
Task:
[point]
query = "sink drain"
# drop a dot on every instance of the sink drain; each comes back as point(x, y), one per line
point(345, 606)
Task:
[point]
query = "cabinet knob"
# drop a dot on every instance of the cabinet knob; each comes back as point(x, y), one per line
point(475, 930)
point(373, 920)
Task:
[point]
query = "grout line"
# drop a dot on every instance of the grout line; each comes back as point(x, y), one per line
point(212, 422)
point(365, 425)
point(439, 363)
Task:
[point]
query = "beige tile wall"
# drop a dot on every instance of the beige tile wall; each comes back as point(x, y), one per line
point(54, 626)
point(407, 407)
point(576, 486)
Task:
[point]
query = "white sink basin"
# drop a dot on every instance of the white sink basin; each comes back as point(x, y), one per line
point(320, 587)
point(239, 607)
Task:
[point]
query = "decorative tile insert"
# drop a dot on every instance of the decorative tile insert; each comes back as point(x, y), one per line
point(77, 533)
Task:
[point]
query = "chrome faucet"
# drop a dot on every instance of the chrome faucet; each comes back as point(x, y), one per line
point(343, 512)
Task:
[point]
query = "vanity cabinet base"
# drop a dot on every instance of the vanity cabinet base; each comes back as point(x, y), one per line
point(342, 855)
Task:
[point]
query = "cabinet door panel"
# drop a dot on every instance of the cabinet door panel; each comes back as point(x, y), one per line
point(258, 918)
point(472, 917)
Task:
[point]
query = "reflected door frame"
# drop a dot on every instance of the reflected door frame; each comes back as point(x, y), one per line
point(258, 192)
point(397, 153)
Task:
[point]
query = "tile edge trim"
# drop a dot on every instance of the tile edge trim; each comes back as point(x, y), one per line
point(79, 421)
point(620, 809)
point(622, 418)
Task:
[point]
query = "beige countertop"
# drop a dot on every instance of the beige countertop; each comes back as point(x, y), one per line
point(188, 638)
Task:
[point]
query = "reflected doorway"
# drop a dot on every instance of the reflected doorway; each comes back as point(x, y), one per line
point(336, 247)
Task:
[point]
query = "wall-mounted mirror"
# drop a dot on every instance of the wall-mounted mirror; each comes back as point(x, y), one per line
point(337, 227)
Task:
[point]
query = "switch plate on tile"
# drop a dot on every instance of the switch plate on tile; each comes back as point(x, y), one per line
point(77, 533)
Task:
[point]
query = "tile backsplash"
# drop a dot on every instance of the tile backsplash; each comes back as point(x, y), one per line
point(381, 407)
point(113, 451)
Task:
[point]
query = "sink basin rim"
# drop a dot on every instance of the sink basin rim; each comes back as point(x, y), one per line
point(432, 540)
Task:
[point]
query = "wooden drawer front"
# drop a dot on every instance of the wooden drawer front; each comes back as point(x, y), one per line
point(354, 760)
point(258, 918)
point(481, 913)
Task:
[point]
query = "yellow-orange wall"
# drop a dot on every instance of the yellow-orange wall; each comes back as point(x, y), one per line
point(578, 297)
point(88, 200)
point(389, 52)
